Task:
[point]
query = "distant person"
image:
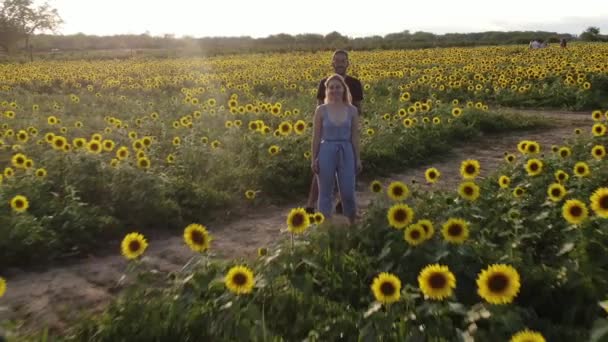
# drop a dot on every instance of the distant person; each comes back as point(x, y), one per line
point(563, 43)
point(335, 148)
point(534, 44)
point(340, 64)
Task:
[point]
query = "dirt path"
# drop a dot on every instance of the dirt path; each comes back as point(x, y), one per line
point(57, 296)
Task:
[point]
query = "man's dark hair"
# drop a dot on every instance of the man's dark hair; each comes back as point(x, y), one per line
point(342, 52)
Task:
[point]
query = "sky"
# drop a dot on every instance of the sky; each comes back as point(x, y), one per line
point(355, 18)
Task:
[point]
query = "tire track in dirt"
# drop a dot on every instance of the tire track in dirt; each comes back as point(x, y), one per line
point(57, 296)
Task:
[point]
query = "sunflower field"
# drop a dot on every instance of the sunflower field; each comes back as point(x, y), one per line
point(103, 150)
point(521, 255)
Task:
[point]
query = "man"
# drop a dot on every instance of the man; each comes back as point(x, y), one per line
point(340, 64)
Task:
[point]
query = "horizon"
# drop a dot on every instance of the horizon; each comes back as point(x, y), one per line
point(185, 18)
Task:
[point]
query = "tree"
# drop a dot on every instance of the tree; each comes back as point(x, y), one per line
point(591, 34)
point(19, 19)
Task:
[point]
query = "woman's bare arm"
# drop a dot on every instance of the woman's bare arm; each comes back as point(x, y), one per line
point(316, 133)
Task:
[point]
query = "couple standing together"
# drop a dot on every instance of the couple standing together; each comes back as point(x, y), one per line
point(335, 142)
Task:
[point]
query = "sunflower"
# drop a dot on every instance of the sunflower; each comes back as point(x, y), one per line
point(510, 157)
point(400, 216)
point(455, 230)
point(262, 251)
point(414, 234)
point(468, 191)
point(59, 142)
point(197, 237)
point(2, 287)
point(299, 127)
point(527, 336)
point(133, 245)
point(51, 120)
point(596, 115)
point(581, 169)
point(456, 112)
point(561, 176)
point(250, 194)
point(97, 137)
point(469, 169)
point(432, 175)
point(429, 230)
point(122, 153)
point(436, 282)
point(41, 173)
point(498, 284)
point(534, 167)
point(398, 191)
point(598, 152)
point(504, 182)
point(297, 221)
point(386, 288)
point(94, 147)
point(79, 142)
point(18, 160)
point(599, 202)
point(598, 130)
point(240, 280)
point(215, 144)
point(19, 203)
point(518, 192)
point(521, 146)
point(556, 192)
point(575, 211)
point(108, 145)
point(285, 128)
point(318, 218)
point(407, 122)
point(532, 147)
point(564, 152)
point(376, 186)
point(8, 172)
point(143, 163)
point(370, 132)
point(273, 150)
point(22, 136)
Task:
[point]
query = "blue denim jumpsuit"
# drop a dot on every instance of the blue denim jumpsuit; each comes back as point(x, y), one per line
point(337, 156)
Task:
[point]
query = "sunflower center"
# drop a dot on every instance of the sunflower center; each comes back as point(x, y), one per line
point(19, 204)
point(387, 288)
point(468, 190)
point(556, 192)
point(425, 227)
point(561, 176)
point(432, 174)
point(576, 211)
point(455, 230)
point(498, 283)
point(603, 202)
point(376, 188)
point(437, 281)
point(580, 170)
point(239, 279)
point(470, 169)
point(598, 152)
point(197, 237)
point(400, 215)
point(415, 234)
point(134, 246)
point(297, 220)
point(563, 154)
point(532, 148)
point(534, 167)
point(397, 191)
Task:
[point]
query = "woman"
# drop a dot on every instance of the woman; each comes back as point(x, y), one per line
point(335, 147)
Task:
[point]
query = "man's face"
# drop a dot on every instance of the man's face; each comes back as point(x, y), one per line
point(340, 63)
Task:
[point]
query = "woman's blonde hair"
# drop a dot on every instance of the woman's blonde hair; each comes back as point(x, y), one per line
point(346, 97)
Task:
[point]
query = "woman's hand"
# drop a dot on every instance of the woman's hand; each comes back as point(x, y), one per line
point(315, 166)
point(359, 166)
